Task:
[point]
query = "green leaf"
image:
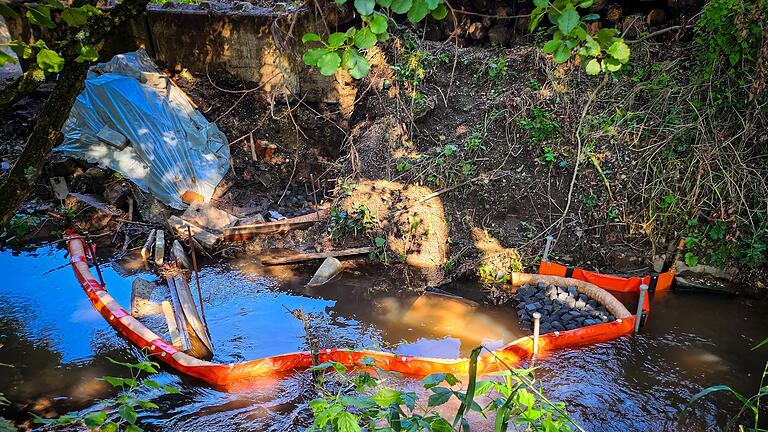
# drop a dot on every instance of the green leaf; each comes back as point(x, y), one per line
point(74, 17)
point(365, 7)
point(380, 241)
point(378, 23)
point(95, 419)
point(593, 67)
point(356, 64)
point(40, 15)
point(381, 37)
point(365, 38)
point(87, 53)
point(347, 422)
point(337, 39)
point(171, 390)
point(585, 4)
point(541, 3)
point(20, 48)
point(619, 50)
point(562, 54)
point(568, 20)
point(109, 427)
point(536, 17)
point(551, 46)
point(312, 55)
point(6, 11)
point(719, 388)
point(761, 344)
point(401, 6)
point(418, 11)
point(590, 17)
point(524, 397)
point(605, 36)
point(440, 424)
point(6, 58)
point(113, 381)
point(432, 4)
point(386, 397)
point(384, 3)
point(471, 385)
point(127, 413)
point(133, 428)
point(311, 37)
point(691, 260)
point(440, 396)
point(433, 380)
point(357, 402)
point(440, 12)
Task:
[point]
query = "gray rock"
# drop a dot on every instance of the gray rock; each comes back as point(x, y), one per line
point(532, 306)
point(570, 302)
point(579, 304)
point(557, 325)
point(541, 286)
point(572, 290)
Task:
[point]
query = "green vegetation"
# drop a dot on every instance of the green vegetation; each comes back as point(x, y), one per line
point(540, 124)
point(352, 402)
point(120, 413)
point(347, 50)
point(343, 223)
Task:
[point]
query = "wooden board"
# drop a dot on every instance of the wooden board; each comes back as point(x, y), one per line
point(303, 257)
point(189, 308)
point(246, 232)
point(178, 316)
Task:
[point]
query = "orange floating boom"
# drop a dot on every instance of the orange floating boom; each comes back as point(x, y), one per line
point(246, 375)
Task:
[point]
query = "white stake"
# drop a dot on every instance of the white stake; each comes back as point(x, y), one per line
point(545, 257)
point(639, 314)
point(536, 322)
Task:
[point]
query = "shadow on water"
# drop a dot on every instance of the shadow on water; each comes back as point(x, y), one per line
point(58, 346)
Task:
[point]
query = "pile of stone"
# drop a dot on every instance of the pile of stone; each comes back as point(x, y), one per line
point(561, 308)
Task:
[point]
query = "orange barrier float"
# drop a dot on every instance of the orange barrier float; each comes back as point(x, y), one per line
point(245, 375)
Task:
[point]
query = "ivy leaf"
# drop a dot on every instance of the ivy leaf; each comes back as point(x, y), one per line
point(6, 11)
point(313, 55)
point(74, 17)
point(432, 4)
point(6, 58)
point(311, 37)
point(418, 11)
point(40, 15)
point(378, 24)
point(593, 67)
point(21, 49)
point(401, 6)
point(619, 50)
point(384, 3)
point(95, 419)
point(329, 63)
point(356, 64)
point(386, 397)
point(337, 39)
point(440, 12)
point(365, 38)
point(347, 422)
point(365, 7)
point(50, 61)
point(562, 54)
point(568, 20)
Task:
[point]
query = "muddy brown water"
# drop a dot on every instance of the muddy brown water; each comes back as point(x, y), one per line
point(57, 346)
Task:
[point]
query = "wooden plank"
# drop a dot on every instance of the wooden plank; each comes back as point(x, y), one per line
point(303, 257)
point(192, 317)
point(173, 329)
point(246, 232)
point(181, 323)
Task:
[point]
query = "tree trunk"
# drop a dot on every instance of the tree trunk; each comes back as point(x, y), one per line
point(23, 85)
point(45, 136)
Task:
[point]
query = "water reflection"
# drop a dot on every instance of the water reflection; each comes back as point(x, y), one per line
point(58, 346)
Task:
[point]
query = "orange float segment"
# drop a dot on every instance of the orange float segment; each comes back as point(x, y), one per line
point(659, 282)
point(250, 374)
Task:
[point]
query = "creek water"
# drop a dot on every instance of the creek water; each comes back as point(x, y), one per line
point(57, 346)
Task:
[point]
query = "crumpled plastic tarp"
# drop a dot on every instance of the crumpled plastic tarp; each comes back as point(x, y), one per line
point(172, 147)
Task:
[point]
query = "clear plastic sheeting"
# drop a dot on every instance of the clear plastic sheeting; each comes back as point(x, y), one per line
point(171, 147)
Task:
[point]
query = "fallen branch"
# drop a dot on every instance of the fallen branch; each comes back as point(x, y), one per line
point(661, 32)
point(303, 257)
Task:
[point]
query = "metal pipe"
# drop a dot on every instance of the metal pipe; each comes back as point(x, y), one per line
point(639, 314)
point(545, 257)
point(536, 323)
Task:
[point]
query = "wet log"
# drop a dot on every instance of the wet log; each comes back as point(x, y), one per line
point(247, 232)
point(304, 257)
point(178, 318)
point(173, 327)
